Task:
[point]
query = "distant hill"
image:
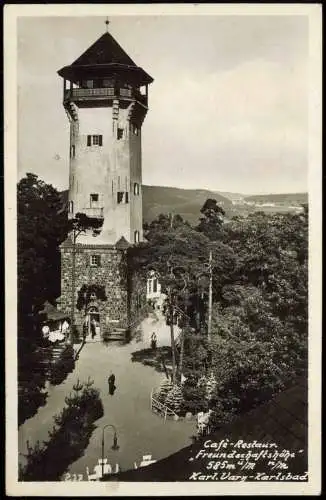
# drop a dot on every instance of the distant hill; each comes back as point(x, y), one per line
point(231, 196)
point(279, 198)
point(185, 202)
point(188, 202)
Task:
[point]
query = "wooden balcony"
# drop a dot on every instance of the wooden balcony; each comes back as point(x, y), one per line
point(104, 93)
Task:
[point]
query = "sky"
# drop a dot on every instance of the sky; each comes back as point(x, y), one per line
point(228, 108)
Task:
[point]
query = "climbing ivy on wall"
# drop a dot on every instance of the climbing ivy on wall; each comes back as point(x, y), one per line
point(86, 292)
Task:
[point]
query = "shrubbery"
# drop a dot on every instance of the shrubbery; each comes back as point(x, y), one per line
point(69, 437)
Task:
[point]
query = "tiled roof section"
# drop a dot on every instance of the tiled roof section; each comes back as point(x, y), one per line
point(122, 243)
point(105, 50)
point(67, 242)
point(52, 313)
point(283, 421)
point(98, 246)
point(103, 59)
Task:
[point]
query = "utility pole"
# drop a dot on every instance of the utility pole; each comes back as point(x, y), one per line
point(171, 315)
point(181, 353)
point(210, 296)
point(171, 318)
point(73, 280)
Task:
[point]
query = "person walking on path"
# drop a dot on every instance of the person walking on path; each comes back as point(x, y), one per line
point(111, 381)
point(153, 341)
point(93, 327)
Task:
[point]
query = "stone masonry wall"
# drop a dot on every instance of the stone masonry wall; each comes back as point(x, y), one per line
point(111, 273)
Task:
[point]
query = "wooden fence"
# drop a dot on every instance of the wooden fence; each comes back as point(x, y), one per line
point(161, 408)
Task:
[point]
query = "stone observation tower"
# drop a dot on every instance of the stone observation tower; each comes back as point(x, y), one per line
point(105, 95)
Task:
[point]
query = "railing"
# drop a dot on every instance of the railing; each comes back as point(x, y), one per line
point(111, 92)
point(161, 408)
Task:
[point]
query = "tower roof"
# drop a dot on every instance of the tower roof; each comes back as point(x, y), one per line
point(105, 50)
point(104, 58)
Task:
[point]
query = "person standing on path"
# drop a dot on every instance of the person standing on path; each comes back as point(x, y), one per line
point(93, 327)
point(111, 381)
point(153, 341)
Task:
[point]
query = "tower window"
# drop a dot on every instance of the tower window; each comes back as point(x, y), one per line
point(136, 236)
point(94, 140)
point(71, 207)
point(72, 151)
point(135, 129)
point(120, 133)
point(107, 83)
point(122, 197)
point(87, 84)
point(136, 188)
point(94, 199)
point(95, 260)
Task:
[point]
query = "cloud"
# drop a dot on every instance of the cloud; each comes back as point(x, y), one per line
point(259, 107)
point(225, 112)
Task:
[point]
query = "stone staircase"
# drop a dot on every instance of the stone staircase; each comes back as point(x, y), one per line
point(116, 334)
point(97, 338)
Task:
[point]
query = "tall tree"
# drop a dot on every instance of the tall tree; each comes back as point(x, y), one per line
point(211, 219)
point(42, 226)
point(261, 321)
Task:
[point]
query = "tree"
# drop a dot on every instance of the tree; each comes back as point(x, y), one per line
point(260, 341)
point(211, 220)
point(42, 226)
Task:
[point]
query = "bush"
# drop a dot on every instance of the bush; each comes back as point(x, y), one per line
point(69, 437)
point(174, 399)
point(194, 399)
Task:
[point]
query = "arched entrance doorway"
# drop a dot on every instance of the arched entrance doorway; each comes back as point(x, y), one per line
point(93, 322)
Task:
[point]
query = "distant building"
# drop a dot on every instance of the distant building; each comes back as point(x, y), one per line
point(154, 292)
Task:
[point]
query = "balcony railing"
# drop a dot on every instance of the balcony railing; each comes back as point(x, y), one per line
point(94, 212)
point(111, 92)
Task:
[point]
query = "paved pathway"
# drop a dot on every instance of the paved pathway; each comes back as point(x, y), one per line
point(140, 432)
point(156, 323)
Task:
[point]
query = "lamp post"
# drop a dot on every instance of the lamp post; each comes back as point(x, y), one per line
point(113, 447)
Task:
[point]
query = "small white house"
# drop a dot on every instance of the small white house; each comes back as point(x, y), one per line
point(153, 292)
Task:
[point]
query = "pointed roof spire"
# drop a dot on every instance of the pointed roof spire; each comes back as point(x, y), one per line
point(103, 58)
point(107, 22)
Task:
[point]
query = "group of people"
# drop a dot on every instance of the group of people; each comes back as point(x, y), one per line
point(57, 334)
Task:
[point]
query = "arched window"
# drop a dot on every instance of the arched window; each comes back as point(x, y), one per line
point(136, 236)
point(136, 188)
point(71, 207)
